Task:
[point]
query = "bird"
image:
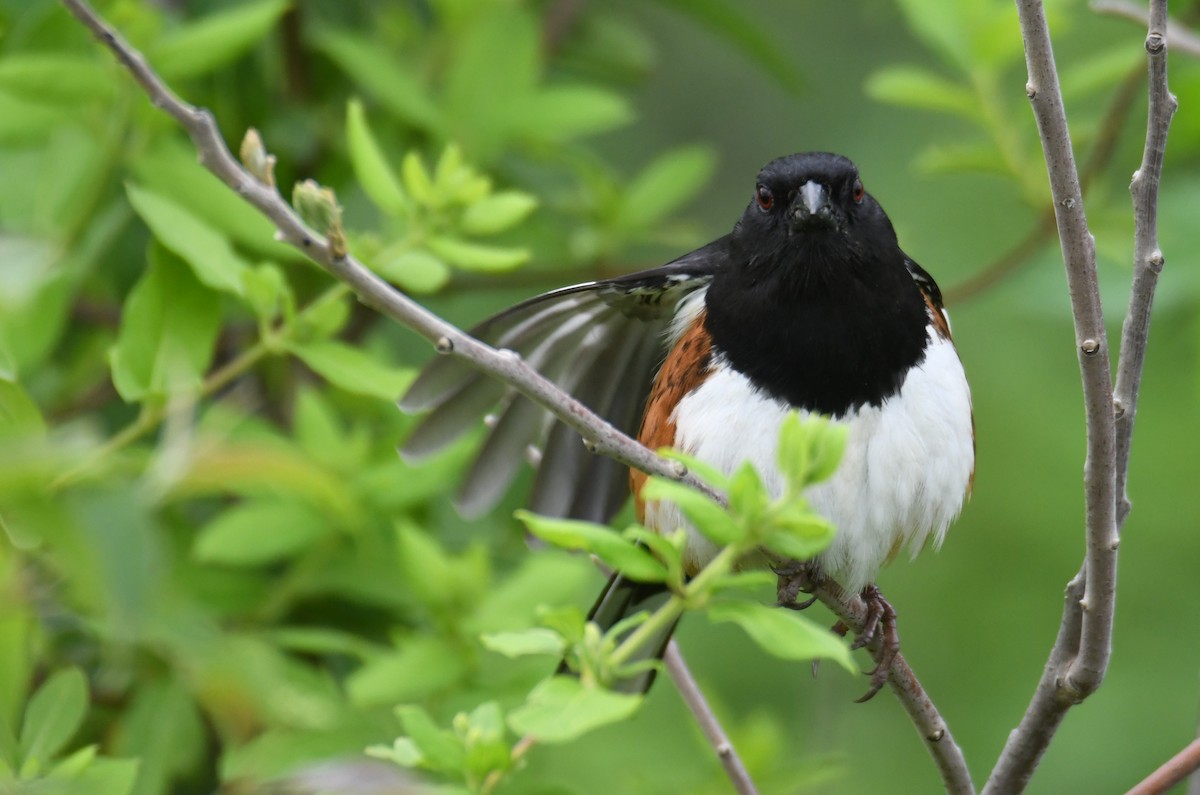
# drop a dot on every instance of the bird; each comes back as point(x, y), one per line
point(809, 304)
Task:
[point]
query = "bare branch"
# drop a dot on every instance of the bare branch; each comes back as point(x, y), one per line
point(1181, 39)
point(1079, 257)
point(505, 366)
point(1080, 654)
point(1173, 771)
point(1147, 258)
point(685, 683)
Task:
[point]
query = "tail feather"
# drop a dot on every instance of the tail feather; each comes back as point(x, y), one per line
point(621, 598)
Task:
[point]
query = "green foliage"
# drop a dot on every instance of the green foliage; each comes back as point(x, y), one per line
point(216, 572)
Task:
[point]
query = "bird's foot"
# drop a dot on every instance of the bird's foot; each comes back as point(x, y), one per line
point(795, 577)
point(880, 626)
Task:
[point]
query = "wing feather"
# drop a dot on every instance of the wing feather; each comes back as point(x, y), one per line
point(601, 342)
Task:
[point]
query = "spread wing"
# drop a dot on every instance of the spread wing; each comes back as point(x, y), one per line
point(602, 342)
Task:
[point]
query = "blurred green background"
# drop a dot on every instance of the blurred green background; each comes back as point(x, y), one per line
point(225, 543)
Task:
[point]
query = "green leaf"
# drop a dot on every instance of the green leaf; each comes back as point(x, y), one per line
point(666, 548)
point(729, 20)
point(376, 71)
point(750, 580)
point(665, 185)
point(494, 66)
point(562, 113)
point(72, 766)
point(19, 414)
point(705, 515)
point(784, 633)
point(168, 329)
point(258, 532)
point(497, 212)
point(560, 709)
point(402, 752)
point(440, 749)
point(371, 166)
point(416, 270)
point(58, 77)
point(203, 248)
point(352, 369)
point(169, 168)
point(810, 448)
point(163, 728)
point(106, 777)
point(267, 290)
point(798, 533)
point(827, 444)
point(28, 122)
point(319, 430)
point(323, 318)
point(418, 181)
point(418, 668)
point(475, 257)
point(425, 566)
point(918, 87)
point(53, 716)
point(1099, 71)
point(945, 158)
point(747, 494)
point(487, 749)
point(618, 552)
point(529, 642)
point(201, 46)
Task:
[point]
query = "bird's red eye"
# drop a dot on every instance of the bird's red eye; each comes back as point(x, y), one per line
point(764, 197)
point(859, 190)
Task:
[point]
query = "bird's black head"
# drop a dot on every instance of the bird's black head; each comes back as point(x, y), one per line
point(812, 205)
point(816, 304)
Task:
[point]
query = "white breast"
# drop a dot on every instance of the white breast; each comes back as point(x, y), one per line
point(902, 480)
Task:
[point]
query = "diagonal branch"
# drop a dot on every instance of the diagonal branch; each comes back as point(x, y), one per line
point(504, 366)
point(1080, 654)
point(1173, 771)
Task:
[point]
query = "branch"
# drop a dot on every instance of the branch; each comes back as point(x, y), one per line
point(1147, 258)
point(1173, 771)
point(1181, 39)
point(685, 683)
point(601, 437)
point(1080, 654)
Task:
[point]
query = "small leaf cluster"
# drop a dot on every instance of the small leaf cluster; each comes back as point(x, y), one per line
point(564, 707)
point(438, 213)
point(979, 48)
point(33, 760)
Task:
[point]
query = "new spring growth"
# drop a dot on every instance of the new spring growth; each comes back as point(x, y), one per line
point(319, 208)
point(256, 159)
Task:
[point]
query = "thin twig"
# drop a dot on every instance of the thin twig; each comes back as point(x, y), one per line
point(1148, 260)
point(1080, 654)
point(1173, 771)
point(698, 704)
point(1181, 39)
point(505, 366)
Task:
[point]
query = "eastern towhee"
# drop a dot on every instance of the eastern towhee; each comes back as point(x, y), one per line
point(810, 304)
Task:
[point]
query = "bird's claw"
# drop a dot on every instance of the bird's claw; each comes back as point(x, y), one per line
point(880, 626)
point(795, 578)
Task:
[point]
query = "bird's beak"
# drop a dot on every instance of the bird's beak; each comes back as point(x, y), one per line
point(811, 208)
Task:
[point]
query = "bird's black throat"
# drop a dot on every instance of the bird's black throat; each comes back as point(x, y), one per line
point(824, 326)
